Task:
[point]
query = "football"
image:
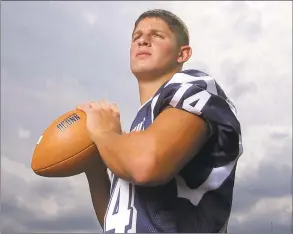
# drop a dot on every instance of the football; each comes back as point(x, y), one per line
point(64, 148)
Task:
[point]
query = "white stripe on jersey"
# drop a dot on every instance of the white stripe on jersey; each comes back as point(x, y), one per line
point(185, 78)
point(213, 182)
point(154, 102)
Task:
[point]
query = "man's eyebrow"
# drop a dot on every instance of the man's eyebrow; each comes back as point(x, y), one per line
point(152, 31)
point(136, 32)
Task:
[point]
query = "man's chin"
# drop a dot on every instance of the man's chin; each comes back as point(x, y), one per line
point(143, 69)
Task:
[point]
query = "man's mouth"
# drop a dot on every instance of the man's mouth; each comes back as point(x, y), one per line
point(142, 54)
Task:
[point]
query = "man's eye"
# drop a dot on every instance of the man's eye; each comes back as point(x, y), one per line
point(135, 38)
point(157, 35)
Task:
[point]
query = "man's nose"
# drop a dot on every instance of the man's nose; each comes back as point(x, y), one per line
point(143, 41)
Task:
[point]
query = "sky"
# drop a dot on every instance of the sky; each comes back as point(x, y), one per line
point(55, 55)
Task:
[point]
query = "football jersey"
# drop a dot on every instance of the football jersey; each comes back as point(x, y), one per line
point(199, 198)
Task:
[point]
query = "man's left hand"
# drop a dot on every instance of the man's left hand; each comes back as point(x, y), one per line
point(102, 117)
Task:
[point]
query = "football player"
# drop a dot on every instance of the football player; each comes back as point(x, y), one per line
point(175, 170)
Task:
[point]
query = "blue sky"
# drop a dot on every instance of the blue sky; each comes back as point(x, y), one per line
point(55, 55)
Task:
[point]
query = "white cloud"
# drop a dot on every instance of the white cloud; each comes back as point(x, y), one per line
point(20, 170)
point(278, 209)
point(17, 169)
point(259, 147)
point(90, 18)
point(45, 198)
point(23, 133)
point(61, 91)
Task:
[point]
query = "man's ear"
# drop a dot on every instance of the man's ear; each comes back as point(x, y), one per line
point(185, 53)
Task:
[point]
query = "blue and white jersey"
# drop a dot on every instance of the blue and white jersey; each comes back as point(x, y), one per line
point(199, 198)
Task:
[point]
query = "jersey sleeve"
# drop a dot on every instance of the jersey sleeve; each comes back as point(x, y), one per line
point(204, 98)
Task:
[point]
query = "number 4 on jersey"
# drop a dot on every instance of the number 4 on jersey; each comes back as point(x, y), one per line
point(120, 212)
point(202, 97)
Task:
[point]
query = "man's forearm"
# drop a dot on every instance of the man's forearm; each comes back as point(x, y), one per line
point(125, 155)
point(99, 185)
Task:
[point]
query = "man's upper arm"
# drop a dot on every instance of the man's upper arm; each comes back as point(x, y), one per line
point(199, 109)
point(177, 135)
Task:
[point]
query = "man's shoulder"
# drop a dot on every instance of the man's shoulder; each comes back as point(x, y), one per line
point(188, 75)
point(194, 72)
point(199, 78)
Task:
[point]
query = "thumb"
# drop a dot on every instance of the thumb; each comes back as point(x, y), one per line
point(85, 108)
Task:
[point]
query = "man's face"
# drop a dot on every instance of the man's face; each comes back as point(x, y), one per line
point(153, 49)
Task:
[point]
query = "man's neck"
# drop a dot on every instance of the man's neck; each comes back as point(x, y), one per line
point(148, 87)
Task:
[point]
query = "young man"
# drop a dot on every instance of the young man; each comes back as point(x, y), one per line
point(174, 172)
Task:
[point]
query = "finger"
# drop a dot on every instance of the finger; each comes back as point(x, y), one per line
point(115, 110)
point(84, 107)
point(96, 105)
point(104, 104)
point(79, 106)
point(114, 107)
point(84, 104)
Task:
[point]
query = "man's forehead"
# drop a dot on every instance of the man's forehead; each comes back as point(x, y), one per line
point(153, 23)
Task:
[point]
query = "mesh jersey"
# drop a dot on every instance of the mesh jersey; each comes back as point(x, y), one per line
point(199, 198)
